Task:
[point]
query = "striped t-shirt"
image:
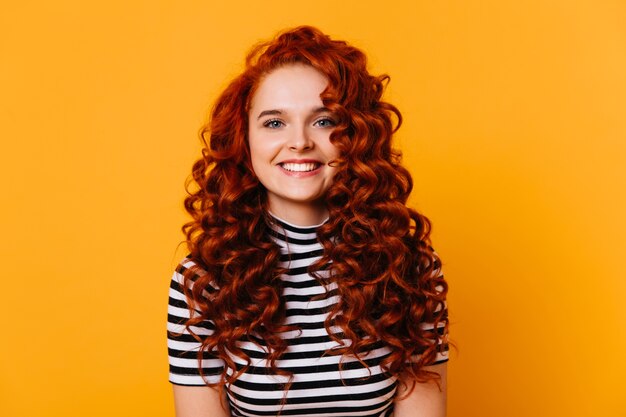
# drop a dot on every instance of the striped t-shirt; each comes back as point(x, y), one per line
point(318, 386)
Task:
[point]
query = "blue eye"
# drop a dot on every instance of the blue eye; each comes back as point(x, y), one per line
point(273, 124)
point(325, 122)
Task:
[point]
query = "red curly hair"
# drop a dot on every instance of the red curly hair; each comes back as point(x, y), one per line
point(379, 250)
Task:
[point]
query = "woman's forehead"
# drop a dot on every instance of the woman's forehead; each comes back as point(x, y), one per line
point(291, 87)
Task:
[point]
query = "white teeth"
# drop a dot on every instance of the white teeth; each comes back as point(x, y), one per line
point(309, 166)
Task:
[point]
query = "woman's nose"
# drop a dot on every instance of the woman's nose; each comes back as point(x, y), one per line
point(300, 140)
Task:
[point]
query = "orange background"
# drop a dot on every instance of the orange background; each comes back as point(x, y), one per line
point(514, 133)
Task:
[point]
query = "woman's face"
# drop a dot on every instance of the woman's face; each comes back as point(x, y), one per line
point(289, 138)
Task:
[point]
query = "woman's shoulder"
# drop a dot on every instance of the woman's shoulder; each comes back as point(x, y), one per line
point(187, 272)
point(188, 266)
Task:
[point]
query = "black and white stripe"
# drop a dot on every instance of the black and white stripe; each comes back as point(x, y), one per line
point(318, 387)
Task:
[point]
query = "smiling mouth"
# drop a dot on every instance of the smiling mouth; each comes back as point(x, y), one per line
point(304, 167)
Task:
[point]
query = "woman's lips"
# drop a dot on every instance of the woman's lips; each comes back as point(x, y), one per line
point(300, 168)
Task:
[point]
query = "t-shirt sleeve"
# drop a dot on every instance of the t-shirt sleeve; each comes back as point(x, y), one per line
point(184, 368)
point(442, 312)
point(442, 345)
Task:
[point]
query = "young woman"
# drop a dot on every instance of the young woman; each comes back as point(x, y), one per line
point(311, 288)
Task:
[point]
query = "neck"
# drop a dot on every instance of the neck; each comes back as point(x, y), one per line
point(300, 215)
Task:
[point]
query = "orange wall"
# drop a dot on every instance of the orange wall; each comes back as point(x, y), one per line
point(514, 132)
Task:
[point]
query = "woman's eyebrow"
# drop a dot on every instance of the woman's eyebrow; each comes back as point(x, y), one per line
point(269, 113)
point(277, 112)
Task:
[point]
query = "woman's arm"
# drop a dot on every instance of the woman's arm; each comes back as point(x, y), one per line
point(199, 401)
point(426, 400)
